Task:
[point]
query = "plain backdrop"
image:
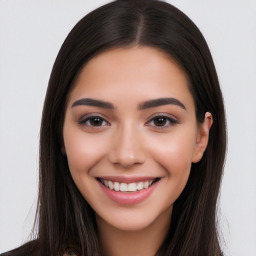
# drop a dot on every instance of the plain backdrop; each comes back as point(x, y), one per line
point(31, 33)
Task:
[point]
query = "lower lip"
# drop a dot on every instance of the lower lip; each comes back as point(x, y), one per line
point(128, 198)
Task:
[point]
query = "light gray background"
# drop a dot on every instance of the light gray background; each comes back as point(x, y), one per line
point(31, 33)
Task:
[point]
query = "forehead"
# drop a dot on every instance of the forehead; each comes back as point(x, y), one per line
point(125, 72)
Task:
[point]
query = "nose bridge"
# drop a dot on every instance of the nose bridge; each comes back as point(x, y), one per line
point(127, 148)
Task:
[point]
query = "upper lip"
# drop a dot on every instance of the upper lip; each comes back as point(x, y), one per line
point(128, 179)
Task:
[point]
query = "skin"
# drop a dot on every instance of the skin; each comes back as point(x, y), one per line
point(129, 141)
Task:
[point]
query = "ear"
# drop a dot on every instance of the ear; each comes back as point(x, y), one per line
point(202, 137)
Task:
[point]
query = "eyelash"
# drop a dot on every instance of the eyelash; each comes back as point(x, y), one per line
point(88, 118)
point(167, 119)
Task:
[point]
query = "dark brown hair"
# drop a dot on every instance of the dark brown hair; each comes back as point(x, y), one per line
point(65, 220)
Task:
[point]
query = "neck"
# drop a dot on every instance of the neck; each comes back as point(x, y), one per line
point(144, 242)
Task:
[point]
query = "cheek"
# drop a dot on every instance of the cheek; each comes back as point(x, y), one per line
point(174, 151)
point(176, 161)
point(174, 154)
point(83, 150)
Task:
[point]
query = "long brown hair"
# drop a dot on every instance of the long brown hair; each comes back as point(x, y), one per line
point(65, 220)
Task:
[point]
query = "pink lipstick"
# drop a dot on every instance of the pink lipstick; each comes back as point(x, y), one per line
point(128, 190)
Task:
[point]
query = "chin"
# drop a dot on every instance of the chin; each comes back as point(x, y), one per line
point(135, 220)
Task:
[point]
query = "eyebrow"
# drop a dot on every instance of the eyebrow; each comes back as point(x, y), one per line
point(94, 103)
point(160, 102)
point(145, 105)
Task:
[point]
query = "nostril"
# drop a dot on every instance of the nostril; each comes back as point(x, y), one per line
point(126, 159)
point(127, 147)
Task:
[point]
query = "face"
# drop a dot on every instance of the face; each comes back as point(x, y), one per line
point(130, 135)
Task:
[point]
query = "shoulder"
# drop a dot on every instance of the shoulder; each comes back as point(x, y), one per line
point(28, 249)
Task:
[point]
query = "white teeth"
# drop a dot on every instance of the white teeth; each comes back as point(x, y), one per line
point(116, 186)
point(140, 186)
point(124, 187)
point(146, 184)
point(110, 185)
point(132, 187)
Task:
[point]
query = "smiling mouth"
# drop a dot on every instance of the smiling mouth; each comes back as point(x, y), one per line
point(128, 187)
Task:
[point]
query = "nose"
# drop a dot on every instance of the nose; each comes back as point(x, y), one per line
point(127, 148)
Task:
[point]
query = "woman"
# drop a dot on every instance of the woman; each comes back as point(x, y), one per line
point(132, 139)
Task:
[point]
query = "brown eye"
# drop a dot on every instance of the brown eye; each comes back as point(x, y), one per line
point(93, 121)
point(160, 121)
